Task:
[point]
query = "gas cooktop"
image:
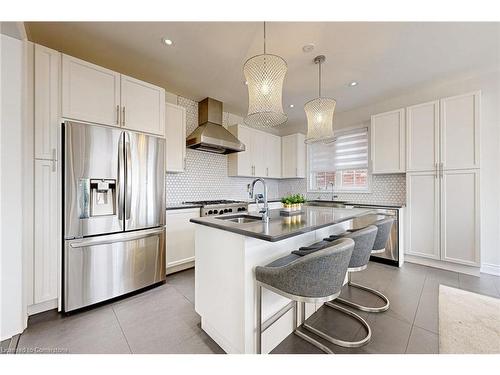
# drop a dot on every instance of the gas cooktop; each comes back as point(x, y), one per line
point(218, 207)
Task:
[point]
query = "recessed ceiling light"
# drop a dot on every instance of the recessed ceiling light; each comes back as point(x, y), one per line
point(167, 41)
point(308, 47)
point(353, 83)
point(291, 106)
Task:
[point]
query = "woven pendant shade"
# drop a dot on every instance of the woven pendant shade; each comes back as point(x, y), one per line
point(265, 75)
point(319, 113)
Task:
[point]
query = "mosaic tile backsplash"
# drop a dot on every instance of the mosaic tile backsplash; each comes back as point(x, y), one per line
point(206, 178)
point(385, 190)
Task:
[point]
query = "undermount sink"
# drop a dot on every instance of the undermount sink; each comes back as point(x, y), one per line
point(325, 203)
point(240, 219)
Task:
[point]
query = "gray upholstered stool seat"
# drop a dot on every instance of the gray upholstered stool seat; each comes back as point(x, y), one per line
point(364, 240)
point(384, 230)
point(314, 278)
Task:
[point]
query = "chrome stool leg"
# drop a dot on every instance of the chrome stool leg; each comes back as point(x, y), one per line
point(361, 307)
point(343, 343)
point(308, 338)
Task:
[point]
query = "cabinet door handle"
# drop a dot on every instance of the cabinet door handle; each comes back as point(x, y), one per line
point(296, 171)
point(267, 172)
point(53, 165)
point(54, 154)
point(437, 170)
point(123, 116)
point(117, 114)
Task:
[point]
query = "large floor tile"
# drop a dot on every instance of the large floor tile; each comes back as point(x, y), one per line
point(482, 285)
point(94, 331)
point(157, 322)
point(422, 342)
point(293, 344)
point(184, 283)
point(404, 294)
point(389, 335)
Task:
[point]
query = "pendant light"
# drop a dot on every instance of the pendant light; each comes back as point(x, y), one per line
point(319, 113)
point(264, 75)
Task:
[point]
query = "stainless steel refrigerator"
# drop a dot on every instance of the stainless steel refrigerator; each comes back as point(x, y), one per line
point(114, 213)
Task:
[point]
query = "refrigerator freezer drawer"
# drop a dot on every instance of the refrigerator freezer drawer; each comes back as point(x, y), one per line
point(100, 268)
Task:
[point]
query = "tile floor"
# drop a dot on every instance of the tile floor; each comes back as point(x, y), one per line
point(163, 320)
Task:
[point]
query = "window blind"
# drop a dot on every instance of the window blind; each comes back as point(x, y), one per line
point(350, 150)
point(321, 157)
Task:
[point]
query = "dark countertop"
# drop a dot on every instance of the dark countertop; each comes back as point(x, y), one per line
point(280, 227)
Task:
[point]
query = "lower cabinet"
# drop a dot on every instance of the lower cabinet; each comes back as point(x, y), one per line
point(443, 215)
point(46, 253)
point(180, 238)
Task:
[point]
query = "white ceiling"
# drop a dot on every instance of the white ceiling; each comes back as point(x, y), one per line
point(207, 57)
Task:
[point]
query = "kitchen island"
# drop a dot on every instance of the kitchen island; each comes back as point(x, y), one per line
point(227, 250)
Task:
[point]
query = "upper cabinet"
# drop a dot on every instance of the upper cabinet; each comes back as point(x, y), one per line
point(175, 136)
point(262, 155)
point(388, 151)
point(422, 137)
point(90, 92)
point(460, 131)
point(443, 134)
point(293, 156)
point(47, 102)
point(95, 94)
point(143, 106)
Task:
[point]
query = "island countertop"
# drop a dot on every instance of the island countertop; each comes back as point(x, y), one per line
point(281, 226)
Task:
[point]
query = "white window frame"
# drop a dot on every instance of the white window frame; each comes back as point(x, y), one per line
point(336, 189)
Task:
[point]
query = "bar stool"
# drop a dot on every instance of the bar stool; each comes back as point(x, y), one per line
point(313, 278)
point(366, 240)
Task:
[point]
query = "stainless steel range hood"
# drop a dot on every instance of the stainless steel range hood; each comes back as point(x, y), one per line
point(210, 135)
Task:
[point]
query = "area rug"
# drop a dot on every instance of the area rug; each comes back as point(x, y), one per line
point(468, 322)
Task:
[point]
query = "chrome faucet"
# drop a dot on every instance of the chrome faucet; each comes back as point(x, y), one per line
point(333, 196)
point(258, 197)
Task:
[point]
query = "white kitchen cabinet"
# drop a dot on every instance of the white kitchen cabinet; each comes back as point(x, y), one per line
point(293, 156)
point(242, 163)
point(423, 214)
point(261, 157)
point(422, 137)
point(46, 232)
point(47, 102)
point(273, 156)
point(90, 92)
point(180, 238)
point(460, 131)
point(388, 142)
point(142, 106)
point(460, 216)
point(175, 137)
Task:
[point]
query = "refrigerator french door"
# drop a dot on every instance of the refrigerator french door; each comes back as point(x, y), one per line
point(114, 213)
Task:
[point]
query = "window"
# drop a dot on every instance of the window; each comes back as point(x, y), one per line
point(342, 163)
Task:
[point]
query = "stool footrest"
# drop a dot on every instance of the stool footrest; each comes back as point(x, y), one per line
point(339, 342)
point(314, 342)
point(366, 308)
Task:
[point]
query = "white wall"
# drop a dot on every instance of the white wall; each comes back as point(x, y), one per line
point(489, 84)
point(11, 189)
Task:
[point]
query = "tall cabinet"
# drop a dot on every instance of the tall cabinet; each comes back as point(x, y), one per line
point(47, 130)
point(443, 179)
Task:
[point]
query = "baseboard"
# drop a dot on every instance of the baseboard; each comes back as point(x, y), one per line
point(491, 269)
point(41, 307)
point(180, 265)
point(441, 264)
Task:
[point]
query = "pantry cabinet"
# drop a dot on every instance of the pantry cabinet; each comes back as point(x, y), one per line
point(180, 238)
point(388, 142)
point(293, 156)
point(443, 179)
point(175, 137)
point(262, 155)
point(90, 92)
point(46, 252)
point(95, 94)
point(143, 106)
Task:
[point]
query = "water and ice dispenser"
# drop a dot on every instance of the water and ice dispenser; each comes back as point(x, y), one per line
point(97, 197)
